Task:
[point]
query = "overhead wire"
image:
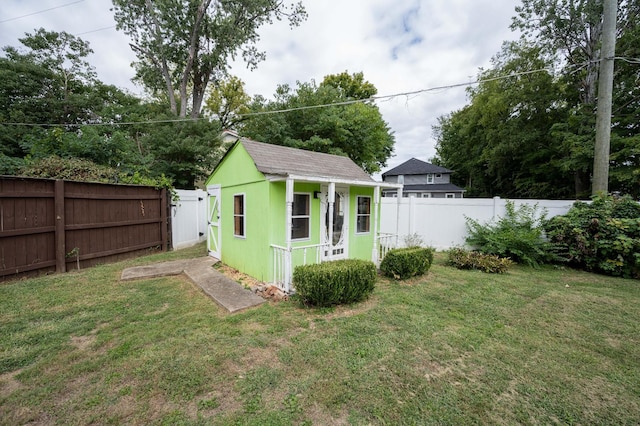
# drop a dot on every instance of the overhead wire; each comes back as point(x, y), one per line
point(40, 11)
point(308, 107)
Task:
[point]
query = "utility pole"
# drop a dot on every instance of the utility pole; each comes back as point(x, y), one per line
point(605, 88)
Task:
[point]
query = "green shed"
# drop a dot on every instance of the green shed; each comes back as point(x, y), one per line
point(272, 208)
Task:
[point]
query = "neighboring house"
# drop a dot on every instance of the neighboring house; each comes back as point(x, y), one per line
point(272, 208)
point(421, 179)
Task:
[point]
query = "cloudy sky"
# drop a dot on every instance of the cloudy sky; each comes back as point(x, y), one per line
point(400, 46)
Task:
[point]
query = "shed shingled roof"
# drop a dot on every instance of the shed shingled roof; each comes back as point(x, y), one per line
point(282, 160)
point(415, 167)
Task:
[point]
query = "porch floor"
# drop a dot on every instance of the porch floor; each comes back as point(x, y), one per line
point(223, 290)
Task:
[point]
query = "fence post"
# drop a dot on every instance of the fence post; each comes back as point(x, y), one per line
point(58, 201)
point(165, 223)
point(496, 200)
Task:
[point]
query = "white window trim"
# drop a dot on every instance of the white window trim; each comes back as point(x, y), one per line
point(430, 179)
point(358, 214)
point(244, 215)
point(308, 237)
point(449, 195)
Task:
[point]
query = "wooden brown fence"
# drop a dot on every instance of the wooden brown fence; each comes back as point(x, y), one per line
point(55, 225)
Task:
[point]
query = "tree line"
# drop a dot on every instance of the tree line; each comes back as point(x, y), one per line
point(532, 135)
point(58, 119)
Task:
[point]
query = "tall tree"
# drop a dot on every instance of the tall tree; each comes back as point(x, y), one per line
point(227, 102)
point(572, 32)
point(502, 144)
point(499, 151)
point(356, 130)
point(182, 45)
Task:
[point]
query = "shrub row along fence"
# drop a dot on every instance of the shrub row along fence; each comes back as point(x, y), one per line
point(56, 225)
point(441, 223)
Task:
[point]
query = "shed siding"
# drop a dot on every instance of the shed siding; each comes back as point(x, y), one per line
point(360, 245)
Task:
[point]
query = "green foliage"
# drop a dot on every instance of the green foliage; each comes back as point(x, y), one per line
point(55, 167)
point(355, 130)
point(333, 283)
point(183, 151)
point(182, 45)
point(518, 235)
point(465, 259)
point(532, 135)
point(603, 236)
point(227, 101)
point(86, 171)
point(407, 262)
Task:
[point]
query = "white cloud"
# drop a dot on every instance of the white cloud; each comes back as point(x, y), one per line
point(399, 45)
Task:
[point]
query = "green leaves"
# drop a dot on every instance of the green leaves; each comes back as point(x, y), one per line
point(356, 130)
point(519, 235)
point(333, 283)
point(404, 263)
point(603, 236)
point(532, 136)
point(182, 45)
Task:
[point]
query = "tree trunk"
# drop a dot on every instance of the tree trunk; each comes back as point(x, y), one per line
point(193, 55)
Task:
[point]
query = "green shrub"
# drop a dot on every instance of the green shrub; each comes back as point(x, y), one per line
point(519, 235)
point(464, 259)
point(407, 262)
point(603, 236)
point(333, 283)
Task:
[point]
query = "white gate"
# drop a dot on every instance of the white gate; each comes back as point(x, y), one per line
point(213, 215)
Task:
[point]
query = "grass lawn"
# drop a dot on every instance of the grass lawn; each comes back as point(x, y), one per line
point(454, 347)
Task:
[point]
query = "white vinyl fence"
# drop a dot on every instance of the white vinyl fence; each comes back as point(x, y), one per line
point(441, 223)
point(189, 218)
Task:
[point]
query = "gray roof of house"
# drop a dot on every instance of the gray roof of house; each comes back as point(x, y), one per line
point(285, 161)
point(415, 167)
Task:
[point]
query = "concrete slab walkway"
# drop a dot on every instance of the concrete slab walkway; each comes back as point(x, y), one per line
point(223, 290)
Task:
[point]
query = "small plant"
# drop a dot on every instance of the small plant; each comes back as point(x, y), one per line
point(413, 240)
point(519, 235)
point(333, 283)
point(407, 262)
point(464, 259)
point(75, 253)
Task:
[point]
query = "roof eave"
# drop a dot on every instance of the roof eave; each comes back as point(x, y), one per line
point(324, 179)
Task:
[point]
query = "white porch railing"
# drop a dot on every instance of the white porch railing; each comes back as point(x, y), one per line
point(386, 242)
point(284, 261)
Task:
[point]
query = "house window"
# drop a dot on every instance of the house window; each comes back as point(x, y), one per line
point(363, 217)
point(301, 218)
point(239, 215)
point(426, 195)
point(438, 175)
point(430, 178)
point(450, 195)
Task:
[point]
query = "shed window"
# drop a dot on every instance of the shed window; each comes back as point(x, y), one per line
point(301, 218)
point(238, 215)
point(363, 217)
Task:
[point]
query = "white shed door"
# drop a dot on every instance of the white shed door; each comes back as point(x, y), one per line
point(214, 242)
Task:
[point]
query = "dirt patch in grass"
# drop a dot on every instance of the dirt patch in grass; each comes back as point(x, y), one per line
point(238, 276)
point(85, 342)
point(9, 384)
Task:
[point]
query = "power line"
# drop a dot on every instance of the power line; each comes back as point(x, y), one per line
point(40, 11)
point(96, 30)
point(350, 102)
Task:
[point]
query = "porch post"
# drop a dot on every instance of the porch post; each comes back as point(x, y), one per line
point(331, 195)
point(376, 225)
point(288, 272)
